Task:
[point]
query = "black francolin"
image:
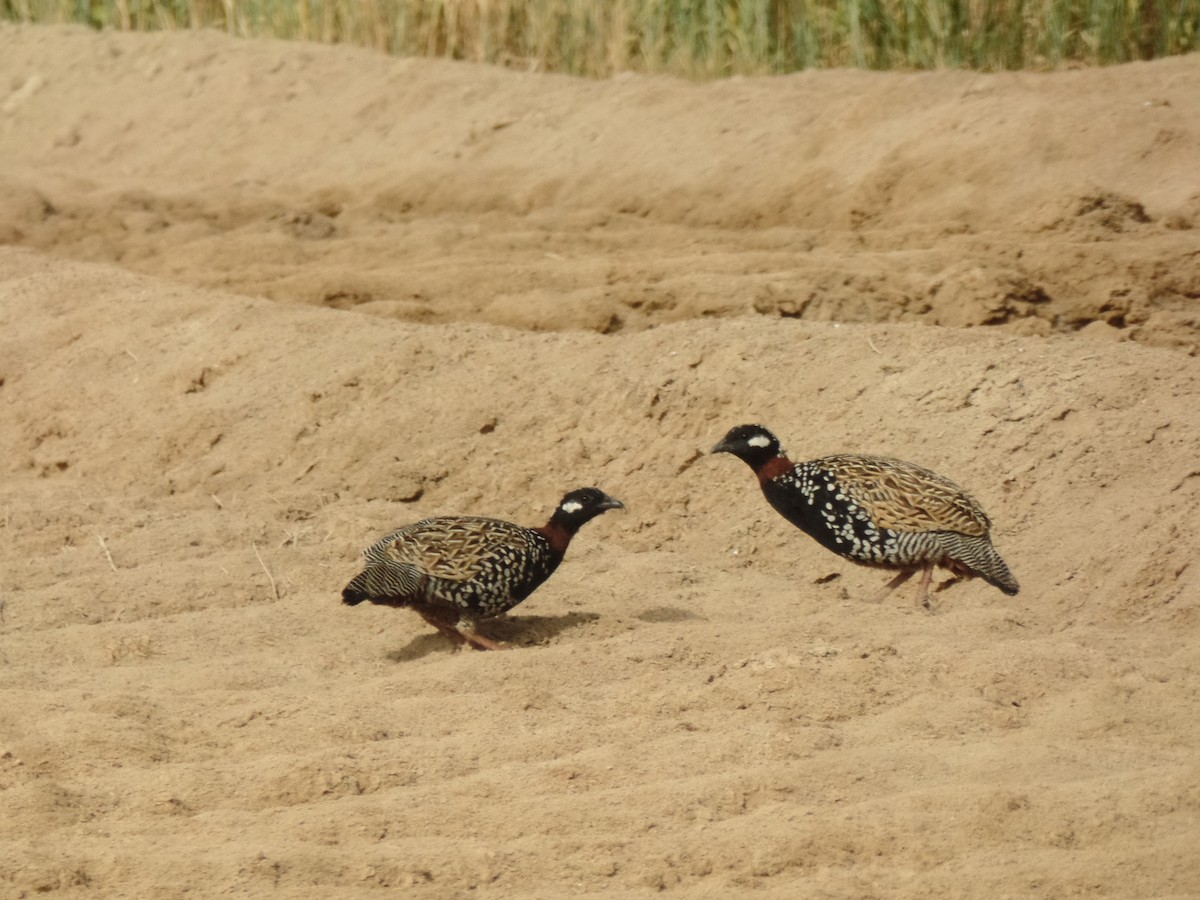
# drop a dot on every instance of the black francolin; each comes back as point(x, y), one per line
point(876, 511)
point(455, 570)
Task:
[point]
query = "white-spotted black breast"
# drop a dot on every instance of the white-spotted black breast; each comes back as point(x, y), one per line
point(456, 570)
point(876, 511)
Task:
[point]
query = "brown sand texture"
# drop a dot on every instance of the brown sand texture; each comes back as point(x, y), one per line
point(262, 302)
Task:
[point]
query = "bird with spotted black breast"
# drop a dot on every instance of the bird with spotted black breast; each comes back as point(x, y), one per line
point(455, 570)
point(876, 511)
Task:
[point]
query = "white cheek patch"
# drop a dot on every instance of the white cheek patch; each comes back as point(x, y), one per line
point(571, 506)
point(759, 440)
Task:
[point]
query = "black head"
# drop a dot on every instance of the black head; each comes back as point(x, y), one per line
point(751, 443)
point(582, 505)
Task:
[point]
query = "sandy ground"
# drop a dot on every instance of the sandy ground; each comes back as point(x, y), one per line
point(261, 302)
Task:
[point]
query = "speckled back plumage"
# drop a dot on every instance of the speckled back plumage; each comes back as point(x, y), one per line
point(483, 566)
point(455, 570)
point(875, 510)
point(904, 496)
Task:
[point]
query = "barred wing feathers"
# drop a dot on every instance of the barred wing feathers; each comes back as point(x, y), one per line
point(906, 497)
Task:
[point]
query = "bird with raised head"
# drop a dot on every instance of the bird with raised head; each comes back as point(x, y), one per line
point(455, 570)
point(876, 511)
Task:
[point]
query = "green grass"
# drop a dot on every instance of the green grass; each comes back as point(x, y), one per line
point(698, 38)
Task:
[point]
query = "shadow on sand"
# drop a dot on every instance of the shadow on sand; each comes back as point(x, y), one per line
point(520, 631)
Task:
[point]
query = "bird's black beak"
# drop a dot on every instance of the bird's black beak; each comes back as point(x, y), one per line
point(611, 503)
point(722, 447)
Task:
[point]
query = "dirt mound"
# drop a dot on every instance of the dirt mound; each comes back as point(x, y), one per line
point(434, 192)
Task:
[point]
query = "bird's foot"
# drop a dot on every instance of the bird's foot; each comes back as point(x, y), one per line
point(479, 642)
point(465, 631)
point(923, 589)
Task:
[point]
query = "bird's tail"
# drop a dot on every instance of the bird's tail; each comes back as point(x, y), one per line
point(385, 585)
point(979, 557)
point(356, 591)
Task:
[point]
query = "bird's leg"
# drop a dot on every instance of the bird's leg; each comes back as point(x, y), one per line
point(468, 633)
point(452, 634)
point(923, 587)
point(892, 585)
